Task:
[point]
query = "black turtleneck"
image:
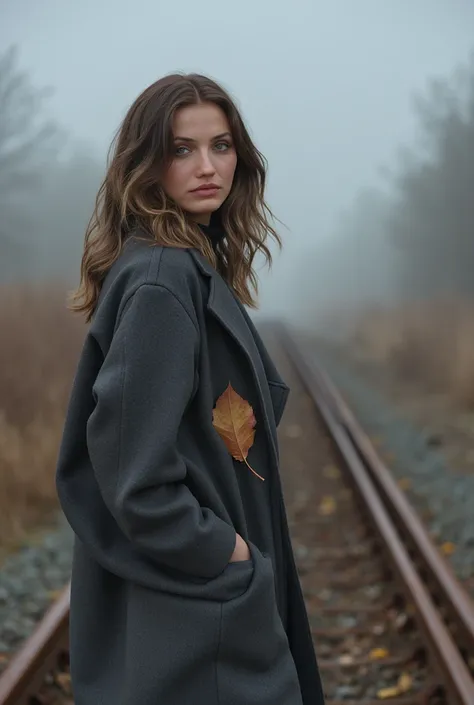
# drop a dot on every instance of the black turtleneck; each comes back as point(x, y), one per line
point(214, 231)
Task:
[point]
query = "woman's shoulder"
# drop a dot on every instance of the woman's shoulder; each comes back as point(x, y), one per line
point(142, 263)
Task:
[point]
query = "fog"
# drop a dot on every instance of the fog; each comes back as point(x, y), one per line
point(326, 89)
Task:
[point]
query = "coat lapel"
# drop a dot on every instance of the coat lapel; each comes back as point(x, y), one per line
point(278, 389)
point(231, 315)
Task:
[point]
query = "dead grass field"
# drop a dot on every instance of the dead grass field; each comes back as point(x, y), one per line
point(39, 346)
point(428, 344)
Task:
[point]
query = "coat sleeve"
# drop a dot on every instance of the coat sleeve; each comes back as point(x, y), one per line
point(141, 393)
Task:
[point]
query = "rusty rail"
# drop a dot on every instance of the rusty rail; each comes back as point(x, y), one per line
point(397, 525)
point(23, 677)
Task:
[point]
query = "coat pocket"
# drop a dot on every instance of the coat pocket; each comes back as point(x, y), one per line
point(254, 662)
point(218, 643)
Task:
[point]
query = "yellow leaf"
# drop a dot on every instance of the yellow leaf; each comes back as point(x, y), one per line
point(327, 505)
point(332, 472)
point(234, 421)
point(404, 483)
point(405, 682)
point(379, 653)
point(385, 693)
point(403, 686)
point(447, 548)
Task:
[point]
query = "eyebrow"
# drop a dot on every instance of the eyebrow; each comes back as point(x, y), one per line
point(189, 139)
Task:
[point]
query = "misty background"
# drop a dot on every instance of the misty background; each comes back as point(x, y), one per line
point(363, 108)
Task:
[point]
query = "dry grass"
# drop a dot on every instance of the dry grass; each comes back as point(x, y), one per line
point(428, 344)
point(39, 348)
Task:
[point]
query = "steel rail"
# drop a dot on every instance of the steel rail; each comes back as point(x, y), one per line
point(23, 677)
point(362, 462)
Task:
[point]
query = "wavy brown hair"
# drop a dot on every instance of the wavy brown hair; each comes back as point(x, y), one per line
point(131, 198)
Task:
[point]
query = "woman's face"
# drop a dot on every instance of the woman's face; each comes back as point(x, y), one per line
point(200, 176)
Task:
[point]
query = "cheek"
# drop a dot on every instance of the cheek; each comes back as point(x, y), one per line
point(229, 168)
point(175, 180)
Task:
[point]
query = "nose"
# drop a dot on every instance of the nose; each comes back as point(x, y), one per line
point(205, 167)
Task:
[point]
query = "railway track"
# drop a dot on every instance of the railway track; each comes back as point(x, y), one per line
point(397, 617)
point(389, 619)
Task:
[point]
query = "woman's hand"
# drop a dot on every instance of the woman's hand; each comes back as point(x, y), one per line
point(241, 551)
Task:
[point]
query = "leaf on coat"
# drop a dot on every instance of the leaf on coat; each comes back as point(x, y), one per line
point(234, 421)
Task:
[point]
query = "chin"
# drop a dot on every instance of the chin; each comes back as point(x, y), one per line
point(209, 206)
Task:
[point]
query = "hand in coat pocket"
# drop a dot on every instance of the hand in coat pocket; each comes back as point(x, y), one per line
point(241, 551)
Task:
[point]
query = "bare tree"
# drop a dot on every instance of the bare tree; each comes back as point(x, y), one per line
point(27, 141)
point(432, 217)
point(428, 217)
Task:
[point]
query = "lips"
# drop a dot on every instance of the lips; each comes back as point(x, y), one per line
point(206, 191)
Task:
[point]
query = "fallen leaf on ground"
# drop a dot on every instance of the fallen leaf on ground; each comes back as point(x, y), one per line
point(385, 693)
point(327, 505)
point(404, 684)
point(234, 421)
point(447, 548)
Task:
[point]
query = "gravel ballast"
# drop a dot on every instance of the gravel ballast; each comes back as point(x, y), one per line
point(443, 497)
point(29, 582)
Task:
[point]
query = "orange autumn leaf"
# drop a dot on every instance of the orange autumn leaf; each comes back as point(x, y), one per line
point(234, 421)
point(448, 548)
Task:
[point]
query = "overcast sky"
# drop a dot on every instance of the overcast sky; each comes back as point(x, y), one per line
point(324, 86)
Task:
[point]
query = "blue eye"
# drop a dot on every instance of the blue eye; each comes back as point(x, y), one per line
point(225, 146)
point(181, 154)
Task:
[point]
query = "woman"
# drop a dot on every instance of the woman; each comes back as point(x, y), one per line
point(184, 587)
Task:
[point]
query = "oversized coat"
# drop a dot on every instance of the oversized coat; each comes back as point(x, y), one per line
point(158, 614)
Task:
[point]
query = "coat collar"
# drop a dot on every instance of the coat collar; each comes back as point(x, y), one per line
point(232, 316)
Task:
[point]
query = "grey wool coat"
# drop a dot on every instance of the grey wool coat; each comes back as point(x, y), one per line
point(158, 614)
